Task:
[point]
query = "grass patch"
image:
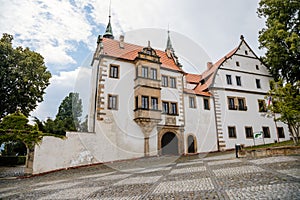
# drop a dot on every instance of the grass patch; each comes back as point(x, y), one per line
point(280, 144)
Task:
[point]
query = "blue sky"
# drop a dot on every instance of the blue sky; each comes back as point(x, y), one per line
point(65, 33)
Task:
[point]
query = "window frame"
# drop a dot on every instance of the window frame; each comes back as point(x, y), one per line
point(262, 108)
point(279, 132)
point(258, 83)
point(164, 81)
point(154, 106)
point(238, 80)
point(237, 63)
point(206, 106)
point(112, 103)
point(267, 133)
point(153, 73)
point(173, 82)
point(231, 106)
point(114, 71)
point(242, 106)
point(145, 104)
point(251, 132)
point(192, 102)
point(234, 132)
point(171, 111)
point(228, 79)
point(145, 69)
point(165, 110)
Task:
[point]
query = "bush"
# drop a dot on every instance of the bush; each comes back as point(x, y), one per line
point(12, 160)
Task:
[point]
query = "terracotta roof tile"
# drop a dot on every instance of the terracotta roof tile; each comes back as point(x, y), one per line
point(193, 78)
point(130, 52)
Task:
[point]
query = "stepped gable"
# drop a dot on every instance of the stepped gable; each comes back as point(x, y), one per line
point(111, 48)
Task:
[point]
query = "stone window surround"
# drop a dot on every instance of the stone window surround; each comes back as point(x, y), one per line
point(114, 71)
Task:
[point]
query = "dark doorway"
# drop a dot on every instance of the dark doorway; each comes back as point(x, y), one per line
point(191, 144)
point(169, 144)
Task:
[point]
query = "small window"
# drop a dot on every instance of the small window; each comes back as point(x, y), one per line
point(231, 104)
point(266, 132)
point(173, 110)
point(249, 132)
point(206, 104)
point(153, 74)
point(262, 105)
point(164, 81)
point(257, 67)
point(238, 80)
point(112, 102)
point(173, 82)
point(246, 52)
point(136, 102)
point(280, 132)
point(145, 102)
point(228, 79)
point(231, 132)
point(144, 72)
point(114, 71)
point(154, 103)
point(192, 102)
point(242, 104)
point(257, 83)
point(237, 64)
point(165, 107)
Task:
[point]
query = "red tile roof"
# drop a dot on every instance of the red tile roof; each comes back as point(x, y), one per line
point(193, 78)
point(130, 52)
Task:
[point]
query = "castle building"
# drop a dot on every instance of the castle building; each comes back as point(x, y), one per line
point(144, 104)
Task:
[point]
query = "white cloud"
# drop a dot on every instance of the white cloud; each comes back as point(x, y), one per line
point(60, 86)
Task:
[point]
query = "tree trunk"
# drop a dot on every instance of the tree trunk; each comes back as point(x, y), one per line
point(293, 134)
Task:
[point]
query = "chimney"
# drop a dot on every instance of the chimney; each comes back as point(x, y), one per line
point(121, 39)
point(209, 65)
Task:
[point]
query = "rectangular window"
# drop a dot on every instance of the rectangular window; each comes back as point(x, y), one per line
point(154, 103)
point(192, 102)
point(114, 71)
point(231, 105)
point(249, 132)
point(173, 110)
point(206, 104)
point(112, 102)
point(153, 74)
point(280, 132)
point(165, 107)
point(145, 102)
point(262, 105)
point(231, 132)
point(228, 79)
point(164, 81)
point(238, 80)
point(144, 72)
point(266, 131)
point(242, 104)
point(237, 64)
point(257, 83)
point(136, 102)
point(172, 82)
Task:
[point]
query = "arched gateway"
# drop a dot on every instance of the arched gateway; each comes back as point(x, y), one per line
point(169, 144)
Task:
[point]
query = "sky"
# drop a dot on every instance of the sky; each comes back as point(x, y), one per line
point(65, 32)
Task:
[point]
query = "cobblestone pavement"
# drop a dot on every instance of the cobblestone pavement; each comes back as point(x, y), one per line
point(193, 177)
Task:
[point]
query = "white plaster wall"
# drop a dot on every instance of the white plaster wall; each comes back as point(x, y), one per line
point(200, 123)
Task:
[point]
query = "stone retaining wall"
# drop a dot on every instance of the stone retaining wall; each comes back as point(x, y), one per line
point(288, 150)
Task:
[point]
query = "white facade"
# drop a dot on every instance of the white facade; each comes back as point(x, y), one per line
point(122, 126)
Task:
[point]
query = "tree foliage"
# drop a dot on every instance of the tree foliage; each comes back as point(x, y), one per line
point(67, 118)
point(23, 77)
point(286, 102)
point(281, 38)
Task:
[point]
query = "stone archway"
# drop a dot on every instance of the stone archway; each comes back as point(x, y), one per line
point(192, 144)
point(169, 144)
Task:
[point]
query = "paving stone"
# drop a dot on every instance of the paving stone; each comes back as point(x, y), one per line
point(184, 186)
point(155, 169)
point(291, 172)
point(113, 177)
point(74, 193)
point(273, 160)
point(237, 170)
point(188, 170)
point(276, 191)
point(222, 162)
point(95, 175)
point(190, 163)
point(58, 186)
point(138, 180)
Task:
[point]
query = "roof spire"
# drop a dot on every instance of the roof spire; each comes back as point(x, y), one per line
point(169, 44)
point(108, 32)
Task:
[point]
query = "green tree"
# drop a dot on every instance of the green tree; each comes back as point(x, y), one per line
point(281, 38)
point(23, 77)
point(286, 103)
